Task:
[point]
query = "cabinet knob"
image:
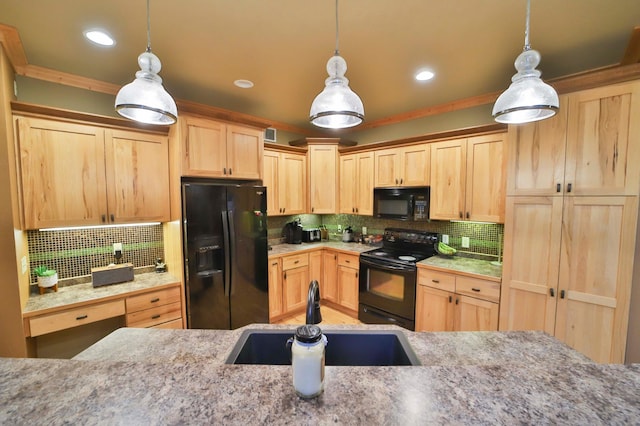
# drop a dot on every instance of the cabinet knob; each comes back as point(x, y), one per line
point(460, 214)
point(552, 292)
point(457, 300)
point(401, 181)
point(468, 215)
point(568, 187)
point(230, 171)
point(113, 218)
point(356, 210)
point(450, 299)
point(224, 170)
point(312, 209)
point(561, 294)
point(558, 187)
point(396, 181)
point(104, 218)
point(353, 209)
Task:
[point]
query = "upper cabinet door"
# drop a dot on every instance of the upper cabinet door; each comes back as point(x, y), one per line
point(387, 168)
point(603, 153)
point(348, 183)
point(137, 176)
point(244, 152)
point(415, 163)
point(537, 155)
point(292, 193)
point(63, 173)
point(448, 173)
point(485, 183)
point(323, 179)
point(364, 184)
point(271, 170)
point(205, 148)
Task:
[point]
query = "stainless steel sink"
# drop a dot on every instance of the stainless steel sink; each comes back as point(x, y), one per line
point(344, 347)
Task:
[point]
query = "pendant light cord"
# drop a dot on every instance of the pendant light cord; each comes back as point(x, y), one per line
point(527, 46)
point(148, 28)
point(337, 52)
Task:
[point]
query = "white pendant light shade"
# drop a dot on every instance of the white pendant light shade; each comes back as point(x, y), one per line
point(145, 99)
point(337, 106)
point(528, 98)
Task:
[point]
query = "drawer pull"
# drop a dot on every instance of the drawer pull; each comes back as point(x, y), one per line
point(297, 261)
point(274, 264)
point(475, 289)
point(81, 317)
point(435, 281)
point(347, 261)
point(157, 299)
point(155, 317)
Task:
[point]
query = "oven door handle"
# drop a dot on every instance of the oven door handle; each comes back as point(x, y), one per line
point(386, 266)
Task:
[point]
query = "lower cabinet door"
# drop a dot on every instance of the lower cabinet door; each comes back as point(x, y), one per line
point(434, 309)
point(475, 314)
point(348, 287)
point(295, 289)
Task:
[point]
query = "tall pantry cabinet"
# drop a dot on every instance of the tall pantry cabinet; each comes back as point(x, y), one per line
point(571, 221)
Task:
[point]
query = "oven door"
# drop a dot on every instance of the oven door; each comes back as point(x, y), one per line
point(388, 287)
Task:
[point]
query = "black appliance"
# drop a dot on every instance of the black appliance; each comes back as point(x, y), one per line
point(388, 277)
point(293, 232)
point(225, 252)
point(310, 235)
point(410, 204)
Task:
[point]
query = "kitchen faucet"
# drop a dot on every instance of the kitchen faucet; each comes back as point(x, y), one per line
point(313, 303)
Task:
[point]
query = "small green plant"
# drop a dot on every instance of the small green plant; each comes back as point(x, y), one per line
point(43, 271)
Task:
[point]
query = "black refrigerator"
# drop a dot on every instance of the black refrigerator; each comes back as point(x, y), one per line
point(225, 252)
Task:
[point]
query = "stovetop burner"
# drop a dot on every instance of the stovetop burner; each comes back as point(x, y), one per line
point(405, 246)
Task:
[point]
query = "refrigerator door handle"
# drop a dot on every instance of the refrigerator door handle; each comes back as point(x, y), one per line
point(227, 253)
point(232, 247)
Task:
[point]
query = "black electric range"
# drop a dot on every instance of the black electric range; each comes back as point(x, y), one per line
point(404, 246)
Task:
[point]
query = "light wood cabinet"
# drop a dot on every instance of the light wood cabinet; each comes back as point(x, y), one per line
point(285, 176)
point(276, 308)
point(356, 183)
point(451, 302)
point(404, 166)
point(584, 298)
point(323, 178)
point(216, 149)
point(573, 183)
point(586, 149)
point(154, 308)
point(468, 179)
point(78, 174)
point(329, 284)
point(348, 285)
point(315, 266)
point(295, 282)
point(74, 317)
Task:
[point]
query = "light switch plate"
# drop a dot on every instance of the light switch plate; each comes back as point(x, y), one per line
point(23, 261)
point(465, 242)
point(445, 238)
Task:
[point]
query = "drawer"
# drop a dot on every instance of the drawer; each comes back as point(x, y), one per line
point(481, 289)
point(75, 317)
point(435, 279)
point(153, 299)
point(173, 324)
point(154, 316)
point(349, 260)
point(295, 261)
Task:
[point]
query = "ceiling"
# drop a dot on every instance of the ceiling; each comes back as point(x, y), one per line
point(283, 46)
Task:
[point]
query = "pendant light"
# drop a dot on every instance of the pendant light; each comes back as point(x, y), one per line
point(337, 106)
point(528, 98)
point(144, 99)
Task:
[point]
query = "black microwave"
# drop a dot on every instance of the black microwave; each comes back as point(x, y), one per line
point(411, 204)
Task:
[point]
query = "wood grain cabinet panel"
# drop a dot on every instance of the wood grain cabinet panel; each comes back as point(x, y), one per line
point(154, 308)
point(468, 179)
point(216, 149)
point(285, 176)
point(75, 317)
point(356, 183)
point(276, 307)
point(78, 175)
point(404, 166)
point(62, 173)
point(329, 284)
point(442, 303)
point(582, 225)
point(323, 167)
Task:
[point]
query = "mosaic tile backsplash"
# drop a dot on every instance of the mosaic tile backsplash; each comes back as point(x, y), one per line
point(72, 253)
point(485, 239)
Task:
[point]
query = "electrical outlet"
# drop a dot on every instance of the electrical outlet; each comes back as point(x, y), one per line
point(117, 247)
point(364, 230)
point(24, 264)
point(339, 228)
point(465, 242)
point(445, 238)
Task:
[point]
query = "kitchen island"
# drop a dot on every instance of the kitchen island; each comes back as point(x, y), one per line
point(150, 376)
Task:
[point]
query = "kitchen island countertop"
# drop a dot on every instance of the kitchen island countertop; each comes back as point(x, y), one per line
point(140, 376)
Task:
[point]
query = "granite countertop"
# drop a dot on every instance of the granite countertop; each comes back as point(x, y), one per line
point(177, 377)
point(72, 295)
point(465, 265)
point(354, 248)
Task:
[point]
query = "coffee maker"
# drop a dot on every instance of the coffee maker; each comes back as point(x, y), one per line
point(292, 232)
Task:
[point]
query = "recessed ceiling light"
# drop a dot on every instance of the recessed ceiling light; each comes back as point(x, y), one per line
point(244, 84)
point(424, 75)
point(99, 37)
